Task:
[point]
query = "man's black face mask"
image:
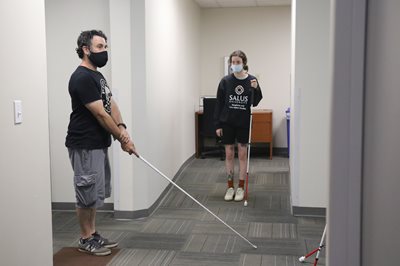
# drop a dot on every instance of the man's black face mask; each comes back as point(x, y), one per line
point(98, 59)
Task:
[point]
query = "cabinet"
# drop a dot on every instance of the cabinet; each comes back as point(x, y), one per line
point(261, 131)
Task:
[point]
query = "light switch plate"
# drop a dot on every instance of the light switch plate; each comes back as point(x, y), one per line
point(17, 112)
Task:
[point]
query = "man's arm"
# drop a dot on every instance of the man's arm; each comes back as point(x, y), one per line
point(117, 117)
point(105, 120)
point(115, 113)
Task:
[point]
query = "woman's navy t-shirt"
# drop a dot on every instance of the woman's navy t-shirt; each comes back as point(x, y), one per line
point(234, 99)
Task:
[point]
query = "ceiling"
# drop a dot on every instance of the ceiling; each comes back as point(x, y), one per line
point(241, 3)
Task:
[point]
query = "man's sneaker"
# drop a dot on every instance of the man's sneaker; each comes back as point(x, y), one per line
point(239, 194)
point(230, 192)
point(104, 242)
point(92, 247)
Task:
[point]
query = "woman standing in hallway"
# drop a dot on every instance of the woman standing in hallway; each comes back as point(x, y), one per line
point(236, 93)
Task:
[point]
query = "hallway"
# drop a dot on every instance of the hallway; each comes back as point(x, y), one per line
point(180, 232)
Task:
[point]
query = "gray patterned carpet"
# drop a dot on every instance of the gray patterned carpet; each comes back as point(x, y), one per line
point(180, 232)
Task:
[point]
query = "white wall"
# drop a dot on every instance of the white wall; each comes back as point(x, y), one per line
point(263, 33)
point(164, 50)
point(25, 168)
point(172, 49)
point(62, 60)
point(121, 76)
point(311, 103)
point(381, 219)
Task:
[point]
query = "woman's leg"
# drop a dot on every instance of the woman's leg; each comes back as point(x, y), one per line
point(242, 149)
point(242, 160)
point(229, 166)
point(230, 161)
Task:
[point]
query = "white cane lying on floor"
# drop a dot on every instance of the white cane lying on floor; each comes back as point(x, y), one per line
point(187, 194)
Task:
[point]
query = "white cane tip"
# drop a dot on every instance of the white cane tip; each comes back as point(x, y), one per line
point(254, 246)
point(301, 259)
point(245, 204)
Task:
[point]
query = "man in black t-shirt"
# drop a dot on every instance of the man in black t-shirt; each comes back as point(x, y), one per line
point(95, 117)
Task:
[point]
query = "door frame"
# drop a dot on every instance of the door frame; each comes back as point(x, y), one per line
point(345, 184)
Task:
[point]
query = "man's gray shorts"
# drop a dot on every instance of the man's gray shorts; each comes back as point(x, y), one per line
point(92, 177)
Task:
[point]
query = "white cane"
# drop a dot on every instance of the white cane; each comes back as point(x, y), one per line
point(248, 150)
point(187, 194)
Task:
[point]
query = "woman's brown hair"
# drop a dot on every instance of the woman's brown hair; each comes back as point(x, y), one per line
point(240, 54)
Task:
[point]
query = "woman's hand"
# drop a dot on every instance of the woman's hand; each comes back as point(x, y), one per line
point(219, 132)
point(254, 83)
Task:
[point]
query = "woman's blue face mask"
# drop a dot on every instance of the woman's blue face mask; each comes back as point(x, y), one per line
point(236, 68)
